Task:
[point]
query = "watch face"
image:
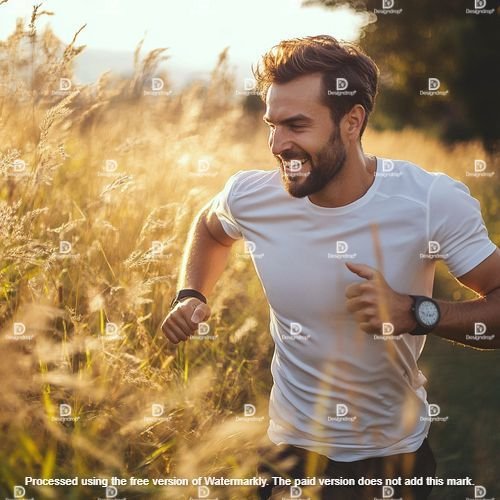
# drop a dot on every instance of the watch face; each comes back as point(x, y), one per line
point(428, 313)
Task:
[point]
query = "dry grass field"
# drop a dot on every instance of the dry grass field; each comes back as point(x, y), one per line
point(99, 184)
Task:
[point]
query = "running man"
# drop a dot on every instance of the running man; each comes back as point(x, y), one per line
point(345, 245)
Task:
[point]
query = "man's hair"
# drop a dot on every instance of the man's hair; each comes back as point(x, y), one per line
point(333, 59)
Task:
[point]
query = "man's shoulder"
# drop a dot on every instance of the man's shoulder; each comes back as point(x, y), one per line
point(248, 181)
point(405, 169)
point(405, 178)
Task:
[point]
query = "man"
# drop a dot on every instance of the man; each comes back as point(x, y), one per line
point(345, 246)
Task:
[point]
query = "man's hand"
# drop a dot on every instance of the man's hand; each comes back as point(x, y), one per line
point(183, 320)
point(373, 302)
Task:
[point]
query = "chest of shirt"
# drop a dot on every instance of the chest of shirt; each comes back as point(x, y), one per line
point(300, 260)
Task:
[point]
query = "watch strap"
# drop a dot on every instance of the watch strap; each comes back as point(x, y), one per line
point(186, 293)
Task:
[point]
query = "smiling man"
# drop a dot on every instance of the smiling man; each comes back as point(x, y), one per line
point(345, 245)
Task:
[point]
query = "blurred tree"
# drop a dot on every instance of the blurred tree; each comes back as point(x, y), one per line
point(415, 41)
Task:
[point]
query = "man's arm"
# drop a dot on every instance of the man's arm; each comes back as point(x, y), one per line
point(205, 257)
point(374, 302)
point(458, 319)
point(205, 254)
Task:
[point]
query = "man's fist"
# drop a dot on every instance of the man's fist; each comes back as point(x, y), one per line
point(182, 321)
point(373, 302)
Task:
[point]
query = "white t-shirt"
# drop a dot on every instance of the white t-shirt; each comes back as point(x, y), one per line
point(338, 390)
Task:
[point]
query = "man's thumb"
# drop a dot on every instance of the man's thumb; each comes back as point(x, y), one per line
point(362, 270)
point(201, 312)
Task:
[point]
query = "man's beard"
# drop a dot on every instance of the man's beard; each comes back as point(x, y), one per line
point(328, 164)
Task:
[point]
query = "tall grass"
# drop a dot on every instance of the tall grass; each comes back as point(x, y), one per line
point(119, 175)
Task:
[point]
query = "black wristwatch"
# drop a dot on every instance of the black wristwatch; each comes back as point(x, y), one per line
point(426, 313)
point(185, 293)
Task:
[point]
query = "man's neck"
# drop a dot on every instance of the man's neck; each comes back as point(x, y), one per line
point(350, 184)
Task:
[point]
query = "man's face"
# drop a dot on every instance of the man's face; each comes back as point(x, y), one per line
point(302, 136)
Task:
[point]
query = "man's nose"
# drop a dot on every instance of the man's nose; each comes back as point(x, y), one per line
point(279, 141)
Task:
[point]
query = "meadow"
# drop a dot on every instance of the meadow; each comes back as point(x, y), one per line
point(99, 185)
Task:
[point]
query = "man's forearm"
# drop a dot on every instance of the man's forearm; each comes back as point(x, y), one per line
point(204, 259)
point(460, 320)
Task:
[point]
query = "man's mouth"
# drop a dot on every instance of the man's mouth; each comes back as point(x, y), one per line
point(294, 164)
point(293, 168)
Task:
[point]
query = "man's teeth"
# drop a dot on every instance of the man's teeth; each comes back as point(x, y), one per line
point(296, 162)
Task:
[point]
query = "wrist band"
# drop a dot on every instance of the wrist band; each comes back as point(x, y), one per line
point(187, 292)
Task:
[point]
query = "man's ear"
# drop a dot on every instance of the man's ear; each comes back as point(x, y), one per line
point(353, 122)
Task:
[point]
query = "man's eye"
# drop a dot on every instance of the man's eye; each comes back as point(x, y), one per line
point(295, 128)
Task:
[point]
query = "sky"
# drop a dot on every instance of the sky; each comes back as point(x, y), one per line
point(194, 31)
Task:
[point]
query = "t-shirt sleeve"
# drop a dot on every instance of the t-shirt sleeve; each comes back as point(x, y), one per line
point(222, 204)
point(456, 224)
